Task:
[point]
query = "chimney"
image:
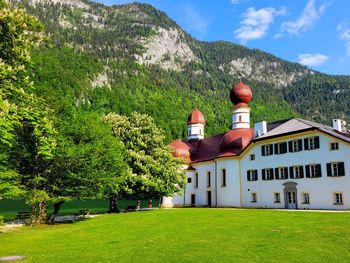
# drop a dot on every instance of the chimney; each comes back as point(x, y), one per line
point(339, 125)
point(260, 128)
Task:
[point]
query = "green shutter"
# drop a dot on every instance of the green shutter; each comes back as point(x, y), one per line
point(307, 169)
point(248, 176)
point(306, 143)
point(271, 149)
point(341, 169)
point(291, 173)
point(301, 171)
point(300, 145)
point(290, 146)
point(276, 148)
point(317, 142)
point(263, 150)
point(277, 174)
point(319, 170)
point(263, 174)
point(285, 173)
point(329, 169)
point(284, 147)
point(271, 169)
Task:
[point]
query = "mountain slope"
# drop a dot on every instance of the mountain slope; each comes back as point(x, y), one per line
point(133, 57)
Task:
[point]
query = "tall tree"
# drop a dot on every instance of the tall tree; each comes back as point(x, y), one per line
point(89, 161)
point(155, 172)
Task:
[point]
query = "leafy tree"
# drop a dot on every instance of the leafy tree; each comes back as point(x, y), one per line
point(89, 161)
point(28, 136)
point(155, 172)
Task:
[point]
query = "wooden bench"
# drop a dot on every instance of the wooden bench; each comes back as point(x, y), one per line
point(130, 208)
point(82, 213)
point(23, 215)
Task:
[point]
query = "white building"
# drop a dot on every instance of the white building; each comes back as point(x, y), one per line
point(292, 163)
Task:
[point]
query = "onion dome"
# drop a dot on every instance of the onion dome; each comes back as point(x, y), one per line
point(181, 149)
point(195, 117)
point(236, 140)
point(241, 93)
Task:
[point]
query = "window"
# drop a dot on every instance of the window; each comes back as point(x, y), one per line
point(338, 198)
point(305, 198)
point(312, 143)
point(196, 182)
point(313, 171)
point(277, 198)
point(253, 198)
point(189, 180)
point(252, 175)
point(223, 177)
point(267, 150)
point(334, 146)
point(208, 179)
point(296, 172)
point(280, 148)
point(267, 174)
point(295, 146)
point(335, 169)
point(189, 132)
point(252, 157)
point(281, 173)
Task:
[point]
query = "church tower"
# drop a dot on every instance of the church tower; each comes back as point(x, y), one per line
point(240, 96)
point(195, 122)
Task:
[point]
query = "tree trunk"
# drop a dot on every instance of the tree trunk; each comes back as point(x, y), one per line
point(113, 204)
point(56, 209)
point(42, 213)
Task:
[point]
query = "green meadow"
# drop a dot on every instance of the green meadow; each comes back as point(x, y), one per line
point(188, 235)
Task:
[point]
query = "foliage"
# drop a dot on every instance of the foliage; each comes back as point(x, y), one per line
point(189, 235)
point(155, 172)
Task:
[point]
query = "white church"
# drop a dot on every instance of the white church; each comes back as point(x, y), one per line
point(293, 164)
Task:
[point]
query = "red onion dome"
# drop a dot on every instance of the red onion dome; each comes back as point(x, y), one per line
point(195, 117)
point(181, 149)
point(237, 139)
point(241, 93)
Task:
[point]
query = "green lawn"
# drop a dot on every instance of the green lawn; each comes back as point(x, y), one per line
point(9, 208)
point(188, 235)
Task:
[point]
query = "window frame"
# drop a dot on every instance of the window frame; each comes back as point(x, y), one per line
point(196, 180)
point(340, 168)
point(253, 197)
point(252, 176)
point(331, 148)
point(223, 178)
point(189, 180)
point(252, 157)
point(306, 201)
point(276, 197)
point(208, 179)
point(338, 196)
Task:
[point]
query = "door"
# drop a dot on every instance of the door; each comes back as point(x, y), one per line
point(209, 198)
point(193, 199)
point(291, 200)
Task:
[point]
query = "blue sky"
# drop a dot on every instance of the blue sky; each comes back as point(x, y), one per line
point(315, 33)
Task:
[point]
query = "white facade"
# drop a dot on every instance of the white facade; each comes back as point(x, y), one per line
point(325, 192)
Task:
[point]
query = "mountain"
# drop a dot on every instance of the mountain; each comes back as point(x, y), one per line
point(133, 57)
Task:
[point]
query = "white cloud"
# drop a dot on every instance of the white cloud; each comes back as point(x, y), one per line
point(256, 23)
point(344, 35)
point(195, 21)
point(312, 59)
point(306, 20)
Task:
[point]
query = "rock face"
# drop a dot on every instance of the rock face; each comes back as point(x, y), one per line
point(167, 49)
point(264, 71)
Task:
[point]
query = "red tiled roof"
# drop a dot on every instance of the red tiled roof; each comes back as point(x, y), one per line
point(231, 143)
point(195, 117)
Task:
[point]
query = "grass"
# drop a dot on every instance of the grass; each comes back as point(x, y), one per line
point(188, 235)
point(9, 208)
